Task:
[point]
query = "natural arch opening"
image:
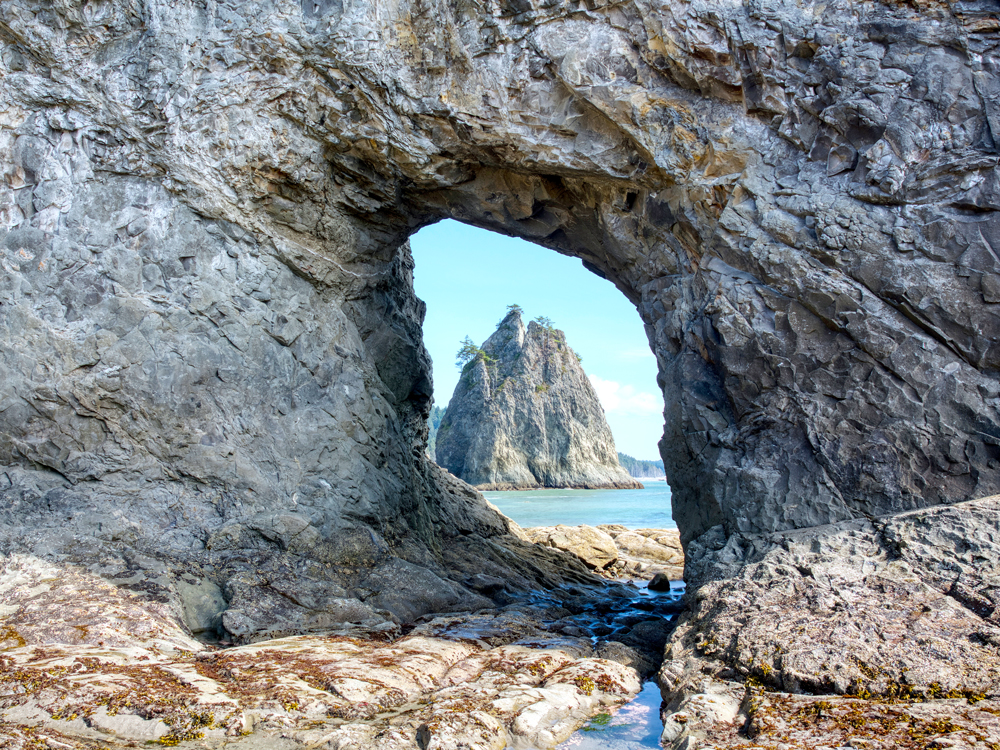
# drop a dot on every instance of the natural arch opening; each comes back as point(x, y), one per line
point(610, 224)
point(468, 277)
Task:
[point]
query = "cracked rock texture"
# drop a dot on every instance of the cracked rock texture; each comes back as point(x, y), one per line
point(90, 666)
point(210, 351)
point(524, 415)
point(889, 624)
point(206, 285)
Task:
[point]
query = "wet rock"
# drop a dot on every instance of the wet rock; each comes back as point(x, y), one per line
point(211, 353)
point(659, 582)
point(485, 584)
point(525, 415)
point(640, 660)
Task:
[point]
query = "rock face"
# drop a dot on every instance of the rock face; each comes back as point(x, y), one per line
point(524, 415)
point(211, 368)
point(208, 314)
point(899, 611)
point(641, 469)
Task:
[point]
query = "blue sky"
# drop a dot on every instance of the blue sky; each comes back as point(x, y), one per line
point(468, 276)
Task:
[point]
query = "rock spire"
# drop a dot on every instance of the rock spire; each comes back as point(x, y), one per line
point(524, 415)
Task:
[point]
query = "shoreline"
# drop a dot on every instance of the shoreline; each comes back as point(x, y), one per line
point(508, 487)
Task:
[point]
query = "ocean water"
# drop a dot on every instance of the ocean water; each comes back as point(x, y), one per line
point(636, 725)
point(636, 509)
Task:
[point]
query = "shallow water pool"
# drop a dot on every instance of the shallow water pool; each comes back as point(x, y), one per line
point(634, 726)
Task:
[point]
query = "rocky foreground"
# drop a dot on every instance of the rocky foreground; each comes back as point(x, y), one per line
point(87, 664)
point(882, 633)
point(879, 634)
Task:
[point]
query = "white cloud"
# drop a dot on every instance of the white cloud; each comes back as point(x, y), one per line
point(624, 399)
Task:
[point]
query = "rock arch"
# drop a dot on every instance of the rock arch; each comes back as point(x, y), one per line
point(212, 344)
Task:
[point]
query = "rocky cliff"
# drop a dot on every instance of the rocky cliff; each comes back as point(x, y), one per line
point(524, 415)
point(640, 469)
point(209, 317)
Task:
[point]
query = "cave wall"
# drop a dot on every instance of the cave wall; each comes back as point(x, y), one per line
point(211, 342)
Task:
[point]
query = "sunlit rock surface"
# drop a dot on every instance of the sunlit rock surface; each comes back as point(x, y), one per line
point(616, 551)
point(644, 553)
point(85, 664)
point(525, 416)
point(890, 624)
point(428, 689)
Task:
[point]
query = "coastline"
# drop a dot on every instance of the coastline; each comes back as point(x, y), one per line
point(508, 487)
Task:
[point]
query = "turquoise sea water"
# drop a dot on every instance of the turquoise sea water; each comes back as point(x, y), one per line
point(637, 509)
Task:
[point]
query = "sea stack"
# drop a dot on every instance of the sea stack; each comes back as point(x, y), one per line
point(525, 416)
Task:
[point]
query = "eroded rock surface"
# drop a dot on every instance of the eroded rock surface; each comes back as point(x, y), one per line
point(616, 550)
point(647, 553)
point(524, 416)
point(210, 351)
point(85, 664)
point(420, 691)
point(889, 624)
point(596, 548)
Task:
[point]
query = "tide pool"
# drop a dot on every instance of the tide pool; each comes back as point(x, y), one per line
point(648, 508)
point(634, 726)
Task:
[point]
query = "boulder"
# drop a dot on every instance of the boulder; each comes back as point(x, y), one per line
point(893, 610)
point(596, 548)
point(659, 582)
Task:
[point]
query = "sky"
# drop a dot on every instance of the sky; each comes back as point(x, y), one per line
point(468, 276)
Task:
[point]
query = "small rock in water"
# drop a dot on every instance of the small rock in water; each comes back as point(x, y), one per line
point(660, 582)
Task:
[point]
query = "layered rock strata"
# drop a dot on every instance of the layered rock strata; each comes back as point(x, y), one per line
point(883, 632)
point(524, 415)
